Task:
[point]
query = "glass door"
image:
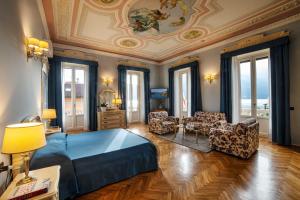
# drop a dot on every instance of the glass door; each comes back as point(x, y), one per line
point(133, 96)
point(75, 99)
point(184, 93)
point(254, 90)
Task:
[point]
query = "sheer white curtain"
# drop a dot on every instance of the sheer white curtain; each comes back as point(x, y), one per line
point(235, 90)
point(176, 94)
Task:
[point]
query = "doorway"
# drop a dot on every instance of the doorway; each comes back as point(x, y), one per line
point(254, 82)
point(135, 96)
point(183, 93)
point(75, 96)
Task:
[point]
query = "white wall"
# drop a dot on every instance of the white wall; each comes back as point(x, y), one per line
point(210, 63)
point(20, 90)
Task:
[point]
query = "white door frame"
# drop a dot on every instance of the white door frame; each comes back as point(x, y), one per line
point(178, 93)
point(74, 67)
point(129, 89)
point(252, 57)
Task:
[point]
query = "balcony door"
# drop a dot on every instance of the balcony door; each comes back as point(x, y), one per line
point(135, 96)
point(255, 89)
point(75, 96)
point(182, 93)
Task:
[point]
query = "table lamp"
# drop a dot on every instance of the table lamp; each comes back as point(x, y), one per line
point(48, 115)
point(22, 139)
point(117, 102)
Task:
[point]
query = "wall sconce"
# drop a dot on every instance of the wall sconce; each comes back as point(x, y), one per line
point(37, 49)
point(210, 78)
point(107, 81)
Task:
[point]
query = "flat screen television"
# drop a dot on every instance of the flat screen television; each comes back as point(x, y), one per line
point(159, 93)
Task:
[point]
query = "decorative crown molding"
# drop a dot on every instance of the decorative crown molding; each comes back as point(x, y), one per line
point(256, 39)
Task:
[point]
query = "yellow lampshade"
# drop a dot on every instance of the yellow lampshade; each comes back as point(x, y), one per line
point(117, 101)
point(25, 137)
point(49, 114)
point(33, 42)
point(44, 45)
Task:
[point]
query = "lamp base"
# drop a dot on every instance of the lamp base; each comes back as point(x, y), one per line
point(25, 180)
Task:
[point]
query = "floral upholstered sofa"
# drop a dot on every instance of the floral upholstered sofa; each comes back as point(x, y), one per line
point(241, 139)
point(204, 121)
point(161, 123)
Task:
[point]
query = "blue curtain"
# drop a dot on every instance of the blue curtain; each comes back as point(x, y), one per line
point(196, 99)
point(122, 80)
point(279, 54)
point(122, 70)
point(171, 92)
point(93, 86)
point(280, 94)
point(226, 93)
point(55, 88)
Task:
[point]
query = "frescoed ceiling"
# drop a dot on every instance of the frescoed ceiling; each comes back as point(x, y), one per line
point(158, 30)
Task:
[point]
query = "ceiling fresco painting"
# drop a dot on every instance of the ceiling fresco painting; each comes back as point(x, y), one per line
point(159, 30)
point(160, 17)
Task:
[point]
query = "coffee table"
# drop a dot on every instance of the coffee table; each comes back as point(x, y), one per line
point(195, 129)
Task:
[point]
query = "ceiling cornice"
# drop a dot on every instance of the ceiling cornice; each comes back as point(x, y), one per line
point(289, 12)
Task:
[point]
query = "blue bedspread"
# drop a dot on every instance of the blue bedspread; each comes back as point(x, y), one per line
point(92, 160)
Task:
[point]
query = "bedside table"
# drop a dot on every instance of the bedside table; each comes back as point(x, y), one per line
point(50, 131)
point(49, 172)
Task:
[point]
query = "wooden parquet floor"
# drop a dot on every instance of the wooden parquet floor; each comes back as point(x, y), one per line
point(186, 174)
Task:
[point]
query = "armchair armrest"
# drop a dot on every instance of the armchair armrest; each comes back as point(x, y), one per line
point(188, 119)
point(173, 119)
point(252, 134)
point(221, 124)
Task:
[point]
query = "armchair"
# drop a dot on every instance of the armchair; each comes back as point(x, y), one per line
point(241, 139)
point(161, 123)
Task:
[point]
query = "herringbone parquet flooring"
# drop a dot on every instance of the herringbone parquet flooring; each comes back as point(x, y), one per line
point(272, 173)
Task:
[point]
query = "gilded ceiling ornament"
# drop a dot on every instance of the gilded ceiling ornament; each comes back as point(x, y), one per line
point(128, 43)
point(105, 1)
point(193, 34)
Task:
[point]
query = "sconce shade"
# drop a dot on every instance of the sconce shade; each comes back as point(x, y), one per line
point(49, 114)
point(210, 77)
point(107, 81)
point(44, 45)
point(38, 51)
point(25, 137)
point(33, 42)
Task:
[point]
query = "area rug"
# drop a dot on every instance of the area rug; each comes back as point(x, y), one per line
point(189, 140)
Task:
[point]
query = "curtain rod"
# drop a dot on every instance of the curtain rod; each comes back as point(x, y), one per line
point(256, 39)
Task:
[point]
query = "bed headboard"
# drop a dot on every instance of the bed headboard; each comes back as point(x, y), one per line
point(17, 161)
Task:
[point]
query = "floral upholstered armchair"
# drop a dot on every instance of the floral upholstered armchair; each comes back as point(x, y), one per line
point(161, 123)
point(241, 139)
point(204, 121)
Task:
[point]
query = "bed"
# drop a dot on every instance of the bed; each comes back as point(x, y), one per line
point(92, 160)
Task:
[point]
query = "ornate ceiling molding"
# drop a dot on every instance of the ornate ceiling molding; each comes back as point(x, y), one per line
point(70, 22)
point(256, 39)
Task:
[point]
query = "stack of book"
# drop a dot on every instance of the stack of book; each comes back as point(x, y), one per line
point(30, 190)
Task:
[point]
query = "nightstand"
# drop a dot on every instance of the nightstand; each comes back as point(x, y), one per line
point(49, 172)
point(52, 130)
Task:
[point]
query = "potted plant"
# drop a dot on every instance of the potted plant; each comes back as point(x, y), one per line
point(103, 107)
